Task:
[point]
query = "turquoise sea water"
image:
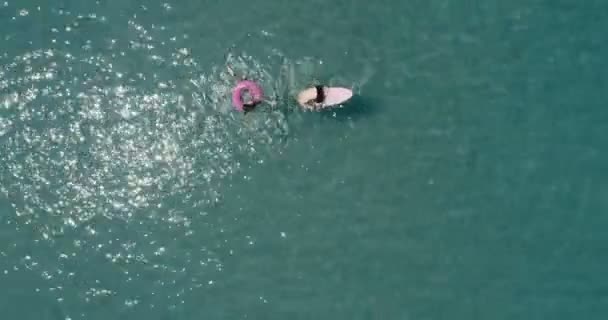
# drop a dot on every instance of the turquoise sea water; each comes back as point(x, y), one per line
point(466, 180)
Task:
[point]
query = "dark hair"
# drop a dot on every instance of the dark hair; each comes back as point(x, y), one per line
point(249, 106)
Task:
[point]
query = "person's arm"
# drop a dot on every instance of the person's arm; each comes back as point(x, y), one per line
point(303, 103)
point(306, 100)
point(230, 71)
point(310, 104)
point(301, 100)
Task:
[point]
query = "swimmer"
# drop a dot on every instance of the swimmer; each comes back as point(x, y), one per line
point(251, 102)
point(312, 98)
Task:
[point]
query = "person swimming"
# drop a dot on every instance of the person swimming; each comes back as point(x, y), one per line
point(252, 96)
point(312, 98)
point(249, 103)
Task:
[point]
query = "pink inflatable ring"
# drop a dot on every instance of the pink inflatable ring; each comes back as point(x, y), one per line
point(256, 92)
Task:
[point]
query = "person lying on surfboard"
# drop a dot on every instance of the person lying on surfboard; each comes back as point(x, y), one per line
point(320, 97)
point(312, 98)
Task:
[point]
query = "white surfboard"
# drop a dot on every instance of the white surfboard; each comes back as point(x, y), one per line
point(336, 95)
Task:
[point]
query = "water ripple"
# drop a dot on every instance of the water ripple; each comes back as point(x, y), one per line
point(111, 163)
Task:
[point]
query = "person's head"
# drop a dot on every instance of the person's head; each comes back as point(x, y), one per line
point(249, 106)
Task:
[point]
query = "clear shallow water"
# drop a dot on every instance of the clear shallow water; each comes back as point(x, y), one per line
point(465, 181)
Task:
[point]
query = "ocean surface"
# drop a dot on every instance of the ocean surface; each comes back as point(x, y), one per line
point(467, 179)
